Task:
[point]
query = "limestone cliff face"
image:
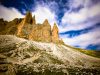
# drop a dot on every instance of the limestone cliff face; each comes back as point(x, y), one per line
point(12, 26)
point(9, 27)
point(28, 29)
point(55, 34)
point(46, 31)
point(28, 18)
point(33, 21)
point(41, 32)
point(25, 27)
point(2, 24)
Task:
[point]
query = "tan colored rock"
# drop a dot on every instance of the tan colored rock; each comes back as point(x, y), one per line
point(46, 22)
point(2, 25)
point(41, 32)
point(34, 21)
point(10, 28)
point(25, 27)
point(28, 29)
point(28, 18)
point(46, 31)
point(55, 34)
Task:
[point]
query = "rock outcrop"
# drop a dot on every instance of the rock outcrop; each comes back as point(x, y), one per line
point(2, 24)
point(55, 34)
point(9, 28)
point(25, 27)
point(41, 32)
point(28, 29)
point(34, 21)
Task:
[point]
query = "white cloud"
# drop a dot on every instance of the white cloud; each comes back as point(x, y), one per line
point(80, 26)
point(41, 13)
point(74, 18)
point(84, 40)
point(81, 16)
point(85, 18)
point(9, 13)
point(77, 3)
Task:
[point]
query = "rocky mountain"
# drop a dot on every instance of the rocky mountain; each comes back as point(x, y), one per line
point(41, 32)
point(28, 48)
point(2, 24)
point(25, 27)
point(28, 29)
point(26, 57)
point(9, 27)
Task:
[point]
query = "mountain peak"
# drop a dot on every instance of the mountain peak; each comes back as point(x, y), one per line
point(34, 21)
point(46, 22)
point(55, 26)
point(28, 29)
point(28, 17)
point(55, 33)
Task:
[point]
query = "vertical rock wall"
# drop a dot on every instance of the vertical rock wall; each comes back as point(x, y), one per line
point(25, 27)
point(28, 29)
point(55, 34)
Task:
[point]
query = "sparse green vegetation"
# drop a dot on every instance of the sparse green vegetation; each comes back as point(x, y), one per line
point(88, 52)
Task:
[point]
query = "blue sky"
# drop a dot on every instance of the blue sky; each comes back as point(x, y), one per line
point(78, 20)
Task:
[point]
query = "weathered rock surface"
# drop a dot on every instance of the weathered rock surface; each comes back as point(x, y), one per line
point(6, 68)
point(37, 58)
point(55, 33)
point(25, 27)
point(12, 26)
point(9, 27)
point(28, 29)
point(41, 32)
point(2, 24)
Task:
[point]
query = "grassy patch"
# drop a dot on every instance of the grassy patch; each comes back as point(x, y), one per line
point(88, 52)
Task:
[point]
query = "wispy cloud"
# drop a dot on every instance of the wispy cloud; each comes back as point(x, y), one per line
point(81, 16)
point(83, 40)
point(74, 24)
point(9, 13)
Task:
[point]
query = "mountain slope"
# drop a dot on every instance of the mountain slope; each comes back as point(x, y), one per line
point(27, 54)
point(93, 53)
point(62, 52)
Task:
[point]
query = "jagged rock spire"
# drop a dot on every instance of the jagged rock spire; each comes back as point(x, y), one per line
point(34, 21)
point(55, 26)
point(25, 27)
point(55, 33)
point(37, 32)
point(46, 22)
point(28, 18)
